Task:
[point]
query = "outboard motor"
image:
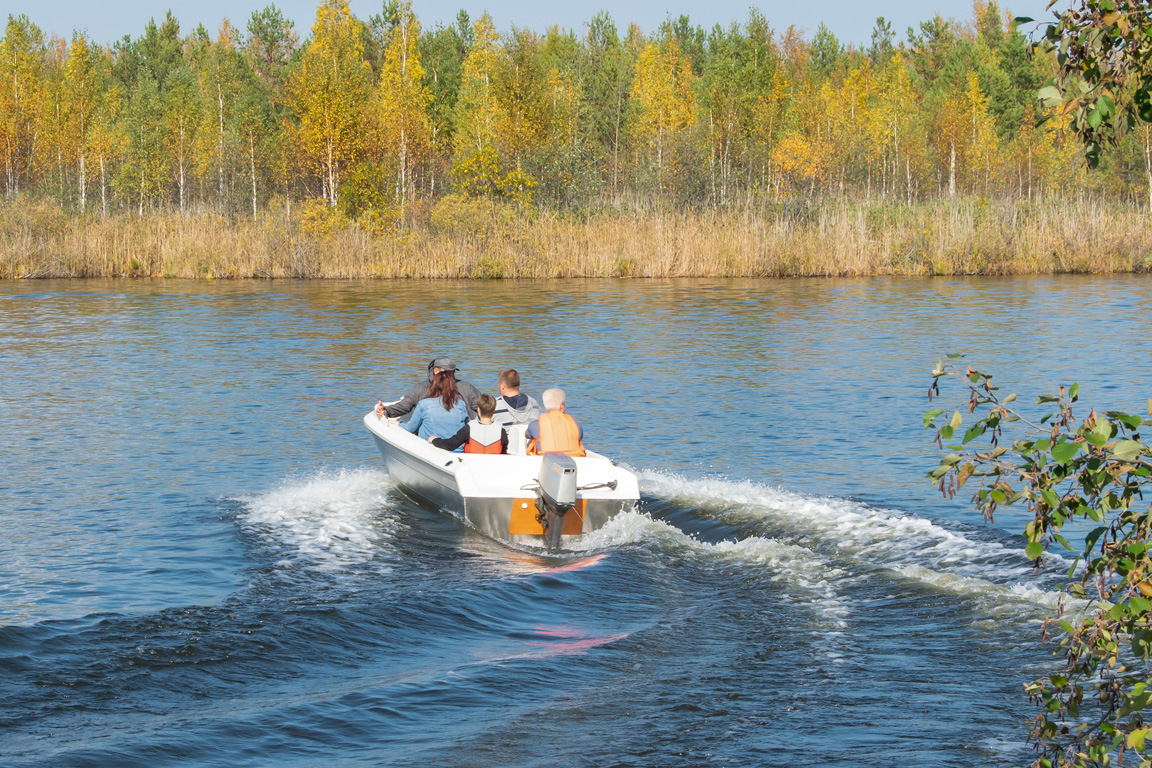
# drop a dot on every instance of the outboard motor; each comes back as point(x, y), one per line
point(556, 495)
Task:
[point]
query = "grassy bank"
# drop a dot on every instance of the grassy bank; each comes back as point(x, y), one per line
point(472, 239)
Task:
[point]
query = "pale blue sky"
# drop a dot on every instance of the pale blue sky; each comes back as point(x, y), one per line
point(850, 21)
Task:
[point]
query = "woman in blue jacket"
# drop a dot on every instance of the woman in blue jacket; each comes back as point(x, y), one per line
point(442, 413)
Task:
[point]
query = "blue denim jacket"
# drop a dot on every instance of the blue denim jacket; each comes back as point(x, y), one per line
point(429, 419)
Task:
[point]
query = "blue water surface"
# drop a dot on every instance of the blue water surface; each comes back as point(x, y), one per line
point(203, 563)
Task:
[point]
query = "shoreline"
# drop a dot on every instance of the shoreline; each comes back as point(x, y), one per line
point(460, 239)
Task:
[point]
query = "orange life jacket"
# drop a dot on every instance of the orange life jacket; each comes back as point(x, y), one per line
point(558, 434)
point(484, 438)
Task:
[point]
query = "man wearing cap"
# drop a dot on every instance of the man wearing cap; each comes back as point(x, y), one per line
point(418, 392)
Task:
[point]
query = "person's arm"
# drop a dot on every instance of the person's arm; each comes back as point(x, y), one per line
point(503, 440)
point(533, 431)
point(454, 442)
point(471, 395)
point(407, 403)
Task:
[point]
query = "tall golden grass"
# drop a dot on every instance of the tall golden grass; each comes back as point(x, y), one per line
point(476, 239)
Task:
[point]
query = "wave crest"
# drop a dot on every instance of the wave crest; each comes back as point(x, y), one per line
point(327, 521)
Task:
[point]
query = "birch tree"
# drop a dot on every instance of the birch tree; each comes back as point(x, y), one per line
point(328, 95)
point(662, 90)
point(182, 110)
point(83, 83)
point(402, 101)
point(21, 99)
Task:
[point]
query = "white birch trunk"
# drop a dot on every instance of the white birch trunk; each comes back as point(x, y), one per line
point(952, 173)
point(252, 167)
point(103, 188)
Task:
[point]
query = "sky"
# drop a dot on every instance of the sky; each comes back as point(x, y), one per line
point(850, 20)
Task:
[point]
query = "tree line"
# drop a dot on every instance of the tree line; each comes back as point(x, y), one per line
point(376, 118)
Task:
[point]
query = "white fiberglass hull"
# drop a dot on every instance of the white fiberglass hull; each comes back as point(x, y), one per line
point(496, 494)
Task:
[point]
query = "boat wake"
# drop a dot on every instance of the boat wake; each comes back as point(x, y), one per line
point(813, 548)
point(327, 521)
point(913, 547)
point(802, 575)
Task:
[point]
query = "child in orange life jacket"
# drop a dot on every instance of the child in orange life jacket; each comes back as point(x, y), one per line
point(480, 435)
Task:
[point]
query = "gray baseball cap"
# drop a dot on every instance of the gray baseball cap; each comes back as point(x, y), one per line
point(443, 363)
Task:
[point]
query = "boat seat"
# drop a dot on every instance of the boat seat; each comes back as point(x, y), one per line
point(517, 439)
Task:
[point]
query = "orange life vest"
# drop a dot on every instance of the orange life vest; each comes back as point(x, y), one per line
point(558, 434)
point(484, 438)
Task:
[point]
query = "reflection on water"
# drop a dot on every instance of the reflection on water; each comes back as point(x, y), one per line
point(203, 560)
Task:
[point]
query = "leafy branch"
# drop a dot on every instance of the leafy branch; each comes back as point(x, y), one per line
point(1103, 82)
point(1061, 468)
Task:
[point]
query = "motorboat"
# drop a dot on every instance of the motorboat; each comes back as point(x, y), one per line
point(551, 502)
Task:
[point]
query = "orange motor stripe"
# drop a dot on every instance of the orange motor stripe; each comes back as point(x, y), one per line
point(523, 518)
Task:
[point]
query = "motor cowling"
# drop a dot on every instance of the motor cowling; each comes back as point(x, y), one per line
point(556, 495)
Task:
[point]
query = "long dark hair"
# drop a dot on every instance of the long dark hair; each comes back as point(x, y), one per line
point(443, 386)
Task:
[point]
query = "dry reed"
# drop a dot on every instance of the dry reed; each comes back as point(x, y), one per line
point(819, 238)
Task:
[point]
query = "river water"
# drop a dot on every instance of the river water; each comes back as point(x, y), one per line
point(203, 563)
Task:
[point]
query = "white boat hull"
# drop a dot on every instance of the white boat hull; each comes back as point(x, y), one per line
point(496, 494)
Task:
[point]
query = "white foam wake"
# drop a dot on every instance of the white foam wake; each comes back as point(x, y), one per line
point(326, 521)
point(794, 567)
point(912, 546)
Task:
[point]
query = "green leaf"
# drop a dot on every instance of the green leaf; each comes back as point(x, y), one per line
point(975, 431)
point(1092, 537)
point(1126, 450)
point(1142, 643)
point(1050, 95)
point(954, 355)
point(1074, 392)
point(1065, 451)
point(1096, 439)
point(1136, 739)
point(1072, 568)
point(956, 421)
point(946, 432)
point(1133, 422)
point(931, 415)
point(1009, 399)
point(1034, 550)
point(1140, 604)
point(1050, 498)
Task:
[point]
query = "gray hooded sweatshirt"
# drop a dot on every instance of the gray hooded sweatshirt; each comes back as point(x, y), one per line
point(516, 409)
